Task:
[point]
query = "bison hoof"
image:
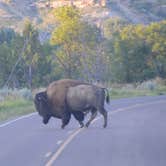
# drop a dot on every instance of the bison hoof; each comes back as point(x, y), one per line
point(63, 126)
point(87, 125)
point(104, 126)
point(81, 124)
point(45, 122)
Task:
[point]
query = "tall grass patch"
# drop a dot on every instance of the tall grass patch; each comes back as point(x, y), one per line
point(14, 108)
point(146, 88)
point(14, 103)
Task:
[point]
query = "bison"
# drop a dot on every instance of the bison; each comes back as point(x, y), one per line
point(65, 97)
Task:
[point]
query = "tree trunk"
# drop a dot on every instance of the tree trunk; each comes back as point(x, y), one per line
point(71, 3)
point(30, 77)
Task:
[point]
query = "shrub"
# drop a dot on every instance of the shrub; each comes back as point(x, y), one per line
point(149, 85)
point(7, 93)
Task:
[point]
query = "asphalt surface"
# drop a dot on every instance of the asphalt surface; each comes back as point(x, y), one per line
point(135, 136)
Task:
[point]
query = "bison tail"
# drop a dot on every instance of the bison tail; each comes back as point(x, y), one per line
point(107, 95)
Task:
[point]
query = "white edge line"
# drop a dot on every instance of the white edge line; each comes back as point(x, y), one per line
point(59, 142)
point(15, 120)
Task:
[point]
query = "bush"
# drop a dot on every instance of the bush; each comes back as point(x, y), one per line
point(7, 93)
point(25, 93)
point(15, 102)
point(149, 85)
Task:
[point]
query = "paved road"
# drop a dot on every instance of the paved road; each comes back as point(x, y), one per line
point(135, 136)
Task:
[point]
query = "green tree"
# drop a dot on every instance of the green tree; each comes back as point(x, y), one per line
point(129, 54)
point(74, 39)
point(65, 36)
point(156, 38)
point(31, 51)
point(112, 27)
point(10, 47)
point(46, 70)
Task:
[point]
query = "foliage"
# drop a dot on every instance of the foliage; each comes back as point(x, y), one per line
point(137, 52)
point(9, 50)
point(24, 61)
point(114, 51)
point(74, 38)
point(14, 108)
point(15, 102)
point(8, 93)
point(146, 88)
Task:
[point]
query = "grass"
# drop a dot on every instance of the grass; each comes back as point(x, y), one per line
point(13, 108)
point(117, 93)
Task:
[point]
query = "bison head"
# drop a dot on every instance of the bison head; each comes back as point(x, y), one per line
point(42, 106)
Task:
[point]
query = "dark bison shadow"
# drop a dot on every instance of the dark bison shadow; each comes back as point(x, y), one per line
point(58, 129)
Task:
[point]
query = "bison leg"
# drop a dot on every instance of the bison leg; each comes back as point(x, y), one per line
point(46, 119)
point(65, 119)
point(104, 113)
point(80, 117)
point(93, 115)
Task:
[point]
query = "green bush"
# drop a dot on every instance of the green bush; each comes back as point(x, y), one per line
point(7, 93)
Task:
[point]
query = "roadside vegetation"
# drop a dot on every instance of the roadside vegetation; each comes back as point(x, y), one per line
point(14, 103)
point(129, 59)
point(116, 51)
point(10, 109)
point(148, 88)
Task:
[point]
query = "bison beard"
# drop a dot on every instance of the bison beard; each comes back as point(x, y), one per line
point(65, 97)
point(42, 106)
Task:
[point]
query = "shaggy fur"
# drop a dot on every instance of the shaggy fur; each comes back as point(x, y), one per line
point(54, 101)
point(87, 97)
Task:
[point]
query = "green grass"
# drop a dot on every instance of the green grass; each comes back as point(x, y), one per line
point(13, 108)
point(117, 93)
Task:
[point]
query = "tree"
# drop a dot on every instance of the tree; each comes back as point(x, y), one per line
point(112, 27)
point(74, 39)
point(10, 48)
point(156, 38)
point(31, 52)
point(46, 70)
point(129, 53)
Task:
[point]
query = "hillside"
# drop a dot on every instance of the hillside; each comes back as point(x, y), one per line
point(13, 12)
point(140, 11)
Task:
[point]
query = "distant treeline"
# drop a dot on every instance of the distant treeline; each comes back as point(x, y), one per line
point(115, 51)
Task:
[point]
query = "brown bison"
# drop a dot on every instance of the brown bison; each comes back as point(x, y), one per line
point(65, 97)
